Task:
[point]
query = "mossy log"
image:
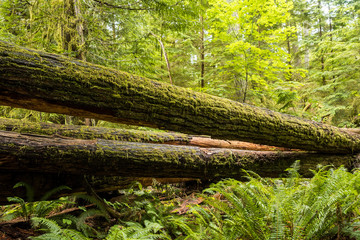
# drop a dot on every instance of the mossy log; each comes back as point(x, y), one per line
point(53, 83)
point(46, 154)
point(130, 135)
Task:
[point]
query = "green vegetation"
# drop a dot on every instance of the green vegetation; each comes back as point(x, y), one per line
point(323, 207)
point(298, 56)
point(294, 56)
point(28, 209)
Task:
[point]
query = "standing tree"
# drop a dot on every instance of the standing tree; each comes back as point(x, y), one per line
point(250, 34)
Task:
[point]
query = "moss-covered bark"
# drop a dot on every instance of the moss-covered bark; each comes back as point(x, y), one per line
point(90, 133)
point(46, 154)
point(130, 135)
point(53, 83)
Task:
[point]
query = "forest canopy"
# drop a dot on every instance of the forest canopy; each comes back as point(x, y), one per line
point(299, 57)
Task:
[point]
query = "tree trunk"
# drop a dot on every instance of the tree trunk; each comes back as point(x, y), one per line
point(202, 52)
point(53, 83)
point(130, 135)
point(46, 154)
point(322, 59)
point(165, 56)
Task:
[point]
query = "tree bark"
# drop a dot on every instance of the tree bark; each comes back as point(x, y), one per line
point(165, 56)
point(53, 83)
point(202, 52)
point(46, 154)
point(322, 58)
point(130, 135)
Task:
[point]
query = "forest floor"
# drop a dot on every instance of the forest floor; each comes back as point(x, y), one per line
point(324, 207)
point(21, 228)
point(16, 230)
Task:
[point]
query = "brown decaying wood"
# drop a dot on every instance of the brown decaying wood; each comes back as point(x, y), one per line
point(352, 130)
point(216, 143)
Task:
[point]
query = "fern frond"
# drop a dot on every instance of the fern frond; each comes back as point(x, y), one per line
point(48, 236)
point(48, 194)
point(93, 200)
point(29, 190)
point(72, 234)
point(50, 225)
point(116, 233)
point(83, 227)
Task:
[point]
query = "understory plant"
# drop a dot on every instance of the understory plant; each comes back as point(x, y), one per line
point(323, 207)
point(326, 206)
point(55, 231)
point(73, 226)
point(28, 208)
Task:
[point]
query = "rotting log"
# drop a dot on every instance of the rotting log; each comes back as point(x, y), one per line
point(46, 154)
point(53, 83)
point(130, 135)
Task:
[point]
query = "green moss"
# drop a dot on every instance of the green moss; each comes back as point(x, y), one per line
point(82, 132)
point(118, 96)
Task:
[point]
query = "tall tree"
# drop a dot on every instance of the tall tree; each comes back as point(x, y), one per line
point(250, 34)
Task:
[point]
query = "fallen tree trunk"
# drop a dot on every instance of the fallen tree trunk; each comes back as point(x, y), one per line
point(46, 154)
point(53, 83)
point(130, 135)
point(44, 182)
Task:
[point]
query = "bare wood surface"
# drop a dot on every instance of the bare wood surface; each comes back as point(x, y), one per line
point(352, 130)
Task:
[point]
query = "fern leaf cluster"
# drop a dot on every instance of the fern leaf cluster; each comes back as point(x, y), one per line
point(293, 208)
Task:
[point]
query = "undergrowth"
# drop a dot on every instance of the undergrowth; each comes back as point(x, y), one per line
point(323, 207)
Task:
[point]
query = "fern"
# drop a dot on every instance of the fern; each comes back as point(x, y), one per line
point(83, 227)
point(292, 208)
point(323, 207)
point(54, 231)
point(49, 225)
point(29, 190)
point(116, 232)
point(48, 194)
point(134, 230)
point(29, 208)
point(91, 199)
